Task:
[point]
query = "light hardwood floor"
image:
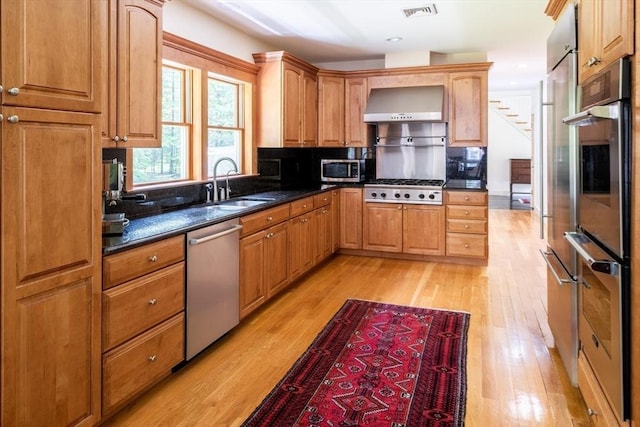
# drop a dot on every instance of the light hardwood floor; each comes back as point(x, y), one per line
point(514, 377)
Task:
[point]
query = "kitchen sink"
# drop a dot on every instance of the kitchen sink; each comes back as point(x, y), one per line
point(243, 202)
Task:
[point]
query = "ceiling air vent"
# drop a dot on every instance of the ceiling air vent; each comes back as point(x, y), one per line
point(416, 12)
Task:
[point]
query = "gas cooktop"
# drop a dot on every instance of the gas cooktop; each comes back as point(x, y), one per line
point(394, 182)
point(414, 191)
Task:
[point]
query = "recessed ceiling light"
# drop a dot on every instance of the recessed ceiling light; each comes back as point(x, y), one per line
point(394, 39)
point(416, 12)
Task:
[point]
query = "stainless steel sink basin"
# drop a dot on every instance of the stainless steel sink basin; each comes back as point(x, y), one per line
point(243, 203)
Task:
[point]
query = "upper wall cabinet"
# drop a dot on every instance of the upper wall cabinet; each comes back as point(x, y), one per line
point(468, 108)
point(341, 104)
point(31, 76)
point(287, 101)
point(605, 34)
point(133, 49)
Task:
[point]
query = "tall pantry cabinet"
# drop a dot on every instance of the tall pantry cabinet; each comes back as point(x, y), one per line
point(50, 71)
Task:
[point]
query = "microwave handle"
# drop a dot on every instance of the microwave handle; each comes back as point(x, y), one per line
point(600, 265)
point(584, 118)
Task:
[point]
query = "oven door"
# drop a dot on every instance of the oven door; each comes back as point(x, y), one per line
point(603, 319)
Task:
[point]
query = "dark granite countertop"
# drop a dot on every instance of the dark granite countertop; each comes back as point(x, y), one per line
point(156, 227)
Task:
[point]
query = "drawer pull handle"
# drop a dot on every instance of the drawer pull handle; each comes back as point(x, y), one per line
point(153, 301)
point(153, 258)
point(153, 358)
point(269, 218)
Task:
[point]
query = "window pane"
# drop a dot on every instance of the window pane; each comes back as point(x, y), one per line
point(172, 87)
point(168, 163)
point(223, 104)
point(223, 143)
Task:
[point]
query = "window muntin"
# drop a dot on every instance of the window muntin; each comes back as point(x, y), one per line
point(224, 126)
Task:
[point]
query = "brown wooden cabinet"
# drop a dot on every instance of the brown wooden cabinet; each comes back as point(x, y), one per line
point(601, 414)
point(143, 319)
point(351, 218)
point(605, 34)
point(341, 104)
point(520, 177)
point(263, 257)
point(301, 234)
point(335, 220)
point(467, 224)
point(287, 101)
point(50, 212)
point(322, 227)
point(404, 228)
point(131, 114)
point(468, 108)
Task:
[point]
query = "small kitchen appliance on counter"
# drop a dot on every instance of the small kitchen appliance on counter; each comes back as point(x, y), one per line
point(112, 185)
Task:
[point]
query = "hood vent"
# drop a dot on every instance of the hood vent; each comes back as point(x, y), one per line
point(405, 104)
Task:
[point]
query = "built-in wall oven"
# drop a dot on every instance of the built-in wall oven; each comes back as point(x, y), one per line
point(602, 238)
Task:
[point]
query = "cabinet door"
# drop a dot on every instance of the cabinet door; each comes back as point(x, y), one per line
point(133, 107)
point(309, 110)
point(322, 240)
point(292, 105)
point(52, 55)
point(331, 111)
point(617, 28)
point(588, 36)
point(356, 94)
point(351, 218)
point(468, 106)
point(335, 221)
point(300, 245)
point(276, 258)
point(252, 275)
point(423, 230)
point(382, 227)
point(51, 240)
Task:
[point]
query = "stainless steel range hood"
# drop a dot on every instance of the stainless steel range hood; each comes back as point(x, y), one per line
point(405, 104)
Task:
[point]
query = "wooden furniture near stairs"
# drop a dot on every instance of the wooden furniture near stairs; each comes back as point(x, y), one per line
point(520, 196)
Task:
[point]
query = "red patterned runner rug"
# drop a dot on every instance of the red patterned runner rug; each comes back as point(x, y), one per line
point(376, 364)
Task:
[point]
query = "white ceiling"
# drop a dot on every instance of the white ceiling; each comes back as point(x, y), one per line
point(512, 33)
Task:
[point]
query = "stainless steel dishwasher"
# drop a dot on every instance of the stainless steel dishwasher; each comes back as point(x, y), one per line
point(213, 276)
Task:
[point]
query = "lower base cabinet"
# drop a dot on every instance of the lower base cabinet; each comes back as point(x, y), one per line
point(467, 224)
point(600, 412)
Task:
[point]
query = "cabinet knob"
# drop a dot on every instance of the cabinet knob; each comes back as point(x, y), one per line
point(153, 358)
point(269, 218)
point(466, 212)
point(466, 198)
point(153, 258)
point(304, 206)
point(324, 211)
point(466, 226)
point(466, 246)
point(1, 117)
point(124, 139)
point(153, 301)
point(116, 138)
point(13, 119)
point(591, 412)
point(14, 91)
point(1, 88)
point(399, 207)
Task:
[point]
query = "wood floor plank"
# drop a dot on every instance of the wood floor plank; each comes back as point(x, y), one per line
point(514, 378)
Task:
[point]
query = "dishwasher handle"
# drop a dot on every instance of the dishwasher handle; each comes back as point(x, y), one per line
point(233, 229)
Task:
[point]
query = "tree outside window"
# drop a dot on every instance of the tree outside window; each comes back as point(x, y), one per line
point(224, 125)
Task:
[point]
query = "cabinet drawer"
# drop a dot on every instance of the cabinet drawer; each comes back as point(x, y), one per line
point(261, 220)
point(468, 245)
point(124, 266)
point(466, 198)
point(301, 206)
point(136, 306)
point(467, 212)
point(139, 363)
point(323, 199)
point(593, 395)
point(467, 226)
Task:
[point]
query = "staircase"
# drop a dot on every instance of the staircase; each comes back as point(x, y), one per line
point(516, 109)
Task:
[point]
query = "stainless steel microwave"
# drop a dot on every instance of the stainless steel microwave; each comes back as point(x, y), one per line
point(341, 170)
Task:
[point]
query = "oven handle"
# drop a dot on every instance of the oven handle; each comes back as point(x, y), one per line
point(584, 118)
point(560, 280)
point(605, 266)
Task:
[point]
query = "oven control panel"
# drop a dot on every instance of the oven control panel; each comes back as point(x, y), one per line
point(403, 195)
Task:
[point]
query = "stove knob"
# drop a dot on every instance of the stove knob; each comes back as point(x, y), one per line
point(383, 194)
point(432, 196)
point(421, 196)
point(407, 195)
point(374, 194)
point(397, 195)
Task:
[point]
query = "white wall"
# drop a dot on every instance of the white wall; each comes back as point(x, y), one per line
point(185, 21)
point(505, 142)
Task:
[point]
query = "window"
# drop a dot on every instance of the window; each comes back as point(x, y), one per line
point(169, 163)
point(206, 116)
point(224, 126)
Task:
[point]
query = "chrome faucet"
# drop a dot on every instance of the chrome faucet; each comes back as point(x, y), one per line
point(215, 175)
